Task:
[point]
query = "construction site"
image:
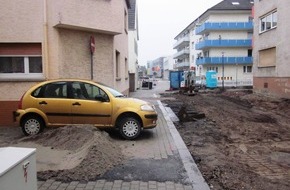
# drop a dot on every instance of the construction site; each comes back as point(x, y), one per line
point(239, 140)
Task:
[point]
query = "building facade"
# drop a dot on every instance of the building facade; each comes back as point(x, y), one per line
point(155, 67)
point(182, 46)
point(271, 48)
point(133, 46)
point(221, 40)
point(42, 40)
point(167, 66)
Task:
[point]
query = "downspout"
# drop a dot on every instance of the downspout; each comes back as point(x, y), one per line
point(45, 41)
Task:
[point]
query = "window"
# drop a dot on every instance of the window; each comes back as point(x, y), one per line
point(212, 69)
point(87, 91)
point(52, 90)
point(126, 69)
point(93, 92)
point(117, 65)
point(78, 91)
point(267, 57)
point(25, 65)
point(247, 69)
point(268, 22)
point(20, 61)
point(125, 21)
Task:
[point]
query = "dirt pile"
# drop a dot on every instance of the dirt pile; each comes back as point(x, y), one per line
point(242, 143)
point(65, 138)
point(84, 153)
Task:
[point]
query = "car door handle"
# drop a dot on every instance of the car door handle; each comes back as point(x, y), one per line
point(76, 104)
point(42, 103)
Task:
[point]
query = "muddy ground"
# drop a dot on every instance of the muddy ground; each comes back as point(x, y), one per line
point(70, 153)
point(239, 140)
point(243, 142)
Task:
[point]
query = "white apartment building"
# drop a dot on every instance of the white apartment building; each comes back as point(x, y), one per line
point(271, 48)
point(221, 40)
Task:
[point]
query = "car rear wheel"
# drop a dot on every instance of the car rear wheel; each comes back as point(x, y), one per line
point(32, 125)
point(130, 128)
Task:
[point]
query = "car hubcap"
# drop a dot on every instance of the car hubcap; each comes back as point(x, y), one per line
point(130, 128)
point(32, 126)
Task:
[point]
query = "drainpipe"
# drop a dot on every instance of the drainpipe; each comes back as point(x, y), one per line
point(45, 41)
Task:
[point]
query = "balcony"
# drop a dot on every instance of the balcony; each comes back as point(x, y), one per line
point(181, 54)
point(184, 42)
point(213, 26)
point(182, 64)
point(226, 60)
point(246, 43)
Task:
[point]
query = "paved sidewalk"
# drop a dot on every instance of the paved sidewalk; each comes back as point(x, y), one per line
point(112, 185)
point(159, 159)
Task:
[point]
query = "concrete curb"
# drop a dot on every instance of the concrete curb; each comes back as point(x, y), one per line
point(194, 175)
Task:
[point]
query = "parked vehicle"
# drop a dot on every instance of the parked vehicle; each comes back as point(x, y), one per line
point(69, 102)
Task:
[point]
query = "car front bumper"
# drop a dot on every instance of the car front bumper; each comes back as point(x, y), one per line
point(150, 121)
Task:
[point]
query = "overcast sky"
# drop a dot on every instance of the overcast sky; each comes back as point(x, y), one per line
point(160, 21)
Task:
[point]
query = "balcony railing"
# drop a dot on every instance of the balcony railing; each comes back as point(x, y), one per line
point(225, 60)
point(231, 83)
point(223, 43)
point(182, 64)
point(211, 26)
point(181, 54)
point(182, 43)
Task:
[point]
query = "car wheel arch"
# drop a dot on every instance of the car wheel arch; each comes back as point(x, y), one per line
point(128, 114)
point(32, 114)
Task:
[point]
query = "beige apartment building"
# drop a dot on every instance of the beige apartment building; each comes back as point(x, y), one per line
point(272, 48)
point(49, 39)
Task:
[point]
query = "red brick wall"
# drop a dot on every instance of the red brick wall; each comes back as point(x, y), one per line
point(6, 113)
point(279, 87)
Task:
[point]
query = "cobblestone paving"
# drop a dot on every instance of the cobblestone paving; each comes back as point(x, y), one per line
point(112, 185)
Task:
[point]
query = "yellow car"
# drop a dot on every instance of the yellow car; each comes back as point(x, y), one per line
point(69, 102)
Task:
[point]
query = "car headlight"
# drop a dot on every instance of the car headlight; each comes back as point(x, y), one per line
point(147, 107)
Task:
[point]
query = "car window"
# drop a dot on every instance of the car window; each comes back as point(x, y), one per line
point(115, 92)
point(56, 90)
point(37, 93)
point(51, 90)
point(79, 91)
point(87, 91)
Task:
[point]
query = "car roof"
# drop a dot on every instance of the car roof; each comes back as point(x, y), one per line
point(68, 80)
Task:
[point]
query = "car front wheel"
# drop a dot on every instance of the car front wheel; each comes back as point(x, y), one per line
point(130, 128)
point(32, 125)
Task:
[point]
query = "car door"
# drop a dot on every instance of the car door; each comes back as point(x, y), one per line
point(52, 100)
point(86, 109)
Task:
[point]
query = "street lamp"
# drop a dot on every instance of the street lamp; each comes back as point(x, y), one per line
point(223, 72)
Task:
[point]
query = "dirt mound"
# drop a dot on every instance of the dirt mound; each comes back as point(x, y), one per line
point(89, 150)
point(65, 138)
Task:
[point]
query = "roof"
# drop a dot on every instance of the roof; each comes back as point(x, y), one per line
point(132, 15)
point(225, 5)
point(233, 5)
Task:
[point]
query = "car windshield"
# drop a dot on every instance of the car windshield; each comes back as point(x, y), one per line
point(114, 92)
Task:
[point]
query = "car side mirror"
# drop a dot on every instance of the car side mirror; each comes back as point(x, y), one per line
point(100, 98)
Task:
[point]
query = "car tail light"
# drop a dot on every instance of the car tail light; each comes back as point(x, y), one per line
point(20, 102)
